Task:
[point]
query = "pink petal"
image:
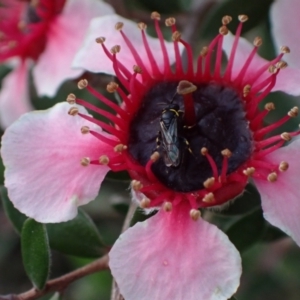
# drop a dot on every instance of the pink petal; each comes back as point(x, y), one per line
point(170, 256)
point(287, 80)
point(284, 16)
point(42, 153)
point(281, 199)
point(92, 58)
point(65, 36)
point(14, 95)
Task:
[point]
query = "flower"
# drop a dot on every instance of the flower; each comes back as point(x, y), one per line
point(189, 138)
point(48, 33)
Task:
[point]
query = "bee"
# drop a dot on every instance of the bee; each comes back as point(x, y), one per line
point(168, 137)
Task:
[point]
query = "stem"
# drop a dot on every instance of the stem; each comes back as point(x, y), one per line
point(60, 283)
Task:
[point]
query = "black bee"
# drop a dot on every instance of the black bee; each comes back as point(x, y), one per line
point(168, 137)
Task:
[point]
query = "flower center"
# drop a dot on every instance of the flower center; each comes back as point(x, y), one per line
point(220, 124)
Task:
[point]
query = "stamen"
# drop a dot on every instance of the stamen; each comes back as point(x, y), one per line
point(85, 161)
point(285, 49)
point(226, 20)
point(155, 16)
point(246, 90)
point(286, 136)
point(243, 18)
point(71, 99)
point(155, 156)
point(103, 160)
point(186, 88)
point(209, 198)
point(82, 84)
point(204, 152)
point(112, 87)
point(145, 203)
point(167, 206)
point(137, 69)
point(249, 171)
point(73, 111)
point(115, 49)
point(293, 112)
point(100, 40)
point(226, 154)
point(119, 26)
point(208, 183)
point(170, 22)
point(272, 177)
point(120, 148)
point(195, 214)
point(136, 185)
point(281, 65)
point(85, 129)
point(283, 166)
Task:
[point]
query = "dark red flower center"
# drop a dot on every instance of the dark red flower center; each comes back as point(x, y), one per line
point(220, 124)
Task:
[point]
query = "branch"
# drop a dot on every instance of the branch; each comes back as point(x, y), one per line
point(60, 283)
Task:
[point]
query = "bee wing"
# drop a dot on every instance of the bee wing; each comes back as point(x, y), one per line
point(170, 143)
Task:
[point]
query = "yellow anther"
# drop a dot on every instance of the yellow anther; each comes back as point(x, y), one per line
point(170, 22)
point(137, 69)
point(119, 26)
point(145, 203)
point(85, 129)
point(272, 69)
point(71, 99)
point(112, 87)
point(249, 171)
point(136, 185)
point(293, 112)
point(82, 84)
point(226, 152)
point(185, 87)
point(286, 136)
point(155, 156)
point(142, 26)
point(243, 18)
point(281, 64)
point(246, 90)
point(283, 166)
point(176, 36)
point(100, 40)
point(208, 183)
point(155, 15)
point(204, 151)
point(103, 160)
point(73, 111)
point(209, 198)
point(285, 49)
point(257, 41)
point(85, 161)
point(120, 148)
point(204, 51)
point(223, 30)
point(269, 106)
point(195, 214)
point(115, 49)
point(21, 25)
point(272, 177)
point(226, 20)
point(167, 206)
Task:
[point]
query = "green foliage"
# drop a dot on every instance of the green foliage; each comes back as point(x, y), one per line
point(256, 10)
point(35, 252)
point(247, 230)
point(78, 237)
point(166, 6)
point(17, 218)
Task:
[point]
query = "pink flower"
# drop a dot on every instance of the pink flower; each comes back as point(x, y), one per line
point(48, 33)
point(212, 140)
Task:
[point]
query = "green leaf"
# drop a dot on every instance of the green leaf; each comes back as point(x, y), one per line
point(256, 10)
point(56, 296)
point(272, 234)
point(140, 216)
point(248, 230)
point(78, 237)
point(232, 298)
point(16, 217)
point(35, 252)
point(248, 201)
point(121, 208)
